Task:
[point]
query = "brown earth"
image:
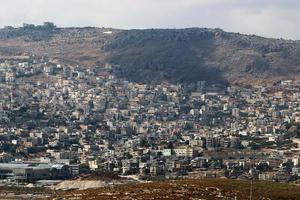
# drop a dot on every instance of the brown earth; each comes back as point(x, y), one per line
point(189, 189)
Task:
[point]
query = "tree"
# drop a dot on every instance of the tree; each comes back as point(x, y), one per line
point(84, 169)
point(49, 25)
point(28, 26)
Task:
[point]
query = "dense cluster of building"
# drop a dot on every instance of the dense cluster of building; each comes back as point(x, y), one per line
point(58, 120)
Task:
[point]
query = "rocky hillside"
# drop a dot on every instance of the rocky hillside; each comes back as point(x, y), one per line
point(162, 54)
point(188, 190)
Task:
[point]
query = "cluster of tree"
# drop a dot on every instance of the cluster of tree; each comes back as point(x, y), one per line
point(30, 32)
point(45, 26)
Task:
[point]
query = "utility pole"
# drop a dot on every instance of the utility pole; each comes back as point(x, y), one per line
point(251, 185)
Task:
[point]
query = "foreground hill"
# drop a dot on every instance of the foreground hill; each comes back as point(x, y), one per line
point(162, 54)
point(189, 189)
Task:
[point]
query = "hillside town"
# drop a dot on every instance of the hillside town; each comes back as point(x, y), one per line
point(59, 121)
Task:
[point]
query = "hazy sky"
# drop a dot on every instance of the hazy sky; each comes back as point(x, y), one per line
point(270, 18)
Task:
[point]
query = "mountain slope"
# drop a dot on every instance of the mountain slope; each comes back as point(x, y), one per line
point(178, 55)
point(210, 54)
